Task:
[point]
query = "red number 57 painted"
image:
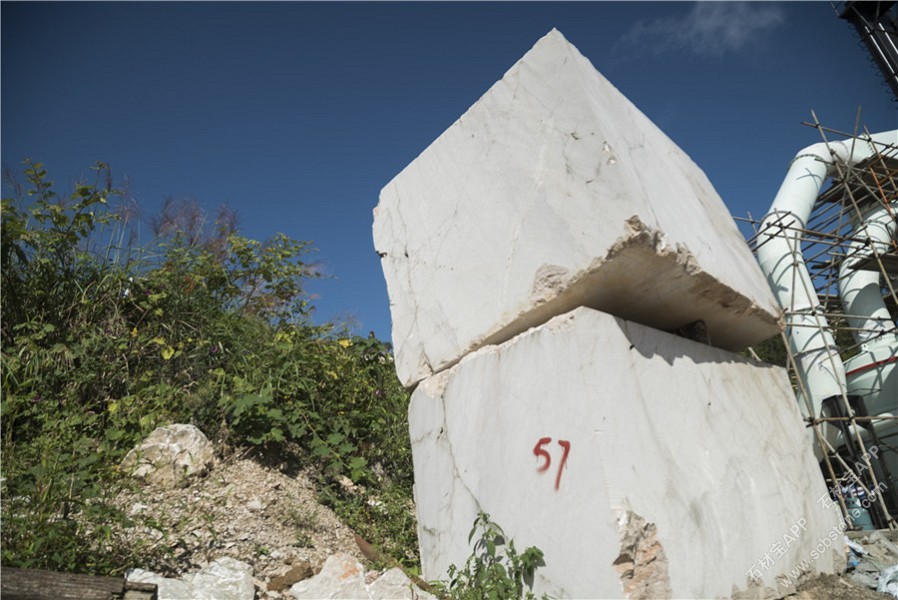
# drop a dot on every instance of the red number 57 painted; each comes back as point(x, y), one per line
point(541, 452)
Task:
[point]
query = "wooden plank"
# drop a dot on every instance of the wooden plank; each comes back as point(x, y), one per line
point(135, 590)
point(33, 584)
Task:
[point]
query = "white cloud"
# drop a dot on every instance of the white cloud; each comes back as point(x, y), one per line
point(709, 28)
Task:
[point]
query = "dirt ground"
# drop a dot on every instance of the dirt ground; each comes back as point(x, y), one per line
point(834, 587)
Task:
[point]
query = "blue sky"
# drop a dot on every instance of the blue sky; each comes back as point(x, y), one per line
point(297, 114)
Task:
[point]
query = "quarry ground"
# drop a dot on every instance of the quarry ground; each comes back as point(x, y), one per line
point(244, 509)
point(269, 517)
point(834, 587)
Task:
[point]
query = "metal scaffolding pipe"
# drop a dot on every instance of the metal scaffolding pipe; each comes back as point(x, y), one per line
point(811, 342)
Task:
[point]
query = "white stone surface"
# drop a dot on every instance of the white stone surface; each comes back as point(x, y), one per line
point(395, 585)
point(689, 456)
point(168, 588)
point(170, 454)
point(343, 577)
point(553, 191)
point(223, 579)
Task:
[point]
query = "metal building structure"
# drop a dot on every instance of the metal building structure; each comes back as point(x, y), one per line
point(877, 25)
point(831, 257)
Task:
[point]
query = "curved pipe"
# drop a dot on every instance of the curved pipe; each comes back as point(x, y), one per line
point(860, 290)
point(779, 254)
point(873, 372)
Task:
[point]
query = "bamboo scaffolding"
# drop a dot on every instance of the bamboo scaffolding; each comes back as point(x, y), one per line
point(836, 232)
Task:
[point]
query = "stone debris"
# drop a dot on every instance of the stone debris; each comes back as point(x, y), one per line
point(247, 531)
point(554, 191)
point(217, 516)
point(888, 581)
point(874, 555)
point(293, 574)
point(829, 587)
point(225, 579)
point(170, 455)
point(344, 577)
point(396, 584)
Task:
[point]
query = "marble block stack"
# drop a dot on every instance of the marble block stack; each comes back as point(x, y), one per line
point(541, 257)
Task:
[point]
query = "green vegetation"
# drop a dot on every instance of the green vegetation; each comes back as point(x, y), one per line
point(103, 340)
point(774, 351)
point(495, 570)
point(771, 351)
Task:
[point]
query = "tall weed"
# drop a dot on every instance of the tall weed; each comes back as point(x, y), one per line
point(104, 339)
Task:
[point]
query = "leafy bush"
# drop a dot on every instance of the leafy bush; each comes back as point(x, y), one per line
point(103, 340)
point(493, 572)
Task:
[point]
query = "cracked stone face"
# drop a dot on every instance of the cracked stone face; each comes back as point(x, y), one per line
point(553, 191)
point(641, 563)
point(643, 464)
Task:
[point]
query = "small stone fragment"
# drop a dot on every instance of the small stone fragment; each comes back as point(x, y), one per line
point(394, 584)
point(341, 577)
point(224, 579)
point(298, 572)
point(168, 588)
point(171, 454)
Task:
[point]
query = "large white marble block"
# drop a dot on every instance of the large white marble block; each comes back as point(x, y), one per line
point(643, 464)
point(553, 191)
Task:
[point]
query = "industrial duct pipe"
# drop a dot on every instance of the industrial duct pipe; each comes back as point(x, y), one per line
point(860, 290)
point(818, 363)
point(873, 372)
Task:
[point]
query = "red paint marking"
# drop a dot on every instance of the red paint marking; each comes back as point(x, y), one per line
point(871, 366)
point(567, 449)
point(538, 451)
